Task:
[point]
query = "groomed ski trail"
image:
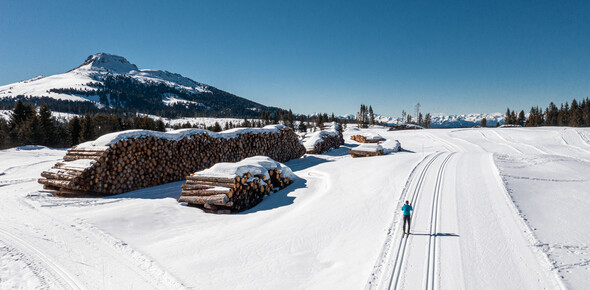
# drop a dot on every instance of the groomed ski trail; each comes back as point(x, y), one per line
point(460, 231)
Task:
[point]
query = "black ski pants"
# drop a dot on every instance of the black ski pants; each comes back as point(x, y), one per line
point(407, 219)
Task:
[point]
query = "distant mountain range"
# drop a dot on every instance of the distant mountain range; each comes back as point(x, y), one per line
point(442, 120)
point(110, 81)
point(453, 121)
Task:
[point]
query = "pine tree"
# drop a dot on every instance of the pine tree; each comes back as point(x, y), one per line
point(521, 118)
point(87, 131)
point(508, 117)
point(3, 134)
point(290, 120)
point(552, 113)
point(484, 123)
point(576, 118)
point(48, 127)
point(246, 123)
point(371, 116)
point(74, 128)
point(302, 127)
point(427, 120)
point(21, 113)
point(35, 131)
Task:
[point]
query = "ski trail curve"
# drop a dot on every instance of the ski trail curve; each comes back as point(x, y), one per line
point(57, 270)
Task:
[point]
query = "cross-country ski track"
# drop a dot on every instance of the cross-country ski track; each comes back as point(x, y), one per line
point(493, 209)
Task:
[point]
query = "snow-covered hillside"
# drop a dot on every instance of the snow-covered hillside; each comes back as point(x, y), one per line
point(94, 69)
point(109, 80)
point(501, 208)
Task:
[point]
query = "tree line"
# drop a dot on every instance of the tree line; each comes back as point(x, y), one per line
point(27, 125)
point(366, 117)
point(574, 114)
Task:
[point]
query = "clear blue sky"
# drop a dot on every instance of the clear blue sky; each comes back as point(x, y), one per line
point(451, 56)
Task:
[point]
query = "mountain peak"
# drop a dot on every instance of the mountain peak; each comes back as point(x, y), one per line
point(110, 62)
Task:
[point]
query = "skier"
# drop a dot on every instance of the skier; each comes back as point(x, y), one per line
point(407, 208)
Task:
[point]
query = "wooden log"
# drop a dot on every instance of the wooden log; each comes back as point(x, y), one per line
point(49, 187)
point(193, 186)
point(219, 199)
point(213, 183)
point(52, 175)
point(75, 149)
point(211, 179)
point(57, 183)
point(203, 192)
point(60, 165)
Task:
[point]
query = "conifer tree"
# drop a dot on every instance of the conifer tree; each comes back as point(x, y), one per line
point(87, 130)
point(21, 113)
point(484, 123)
point(508, 117)
point(576, 118)
point(520, 120)
point(427, 120)
point(74, 128)
point(48, 128)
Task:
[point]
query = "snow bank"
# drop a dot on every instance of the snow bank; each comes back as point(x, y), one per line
point(112, 138)
point(390, 146)
point(257, 165)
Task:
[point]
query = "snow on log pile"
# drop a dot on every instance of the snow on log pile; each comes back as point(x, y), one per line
point(324, 140)
point(367, 149)
point(228, 187)
point(367, 137)
point(134, 159)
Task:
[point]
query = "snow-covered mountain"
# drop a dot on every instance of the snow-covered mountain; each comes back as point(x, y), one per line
point(452, 121)
point(108, 80)
point(465, 120)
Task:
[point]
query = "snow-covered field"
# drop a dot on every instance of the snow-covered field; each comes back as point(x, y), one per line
point(502, 208)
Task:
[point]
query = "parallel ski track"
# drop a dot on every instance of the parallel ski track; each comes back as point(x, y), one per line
point(430, 278)
point(401, 248)
point(57, 270)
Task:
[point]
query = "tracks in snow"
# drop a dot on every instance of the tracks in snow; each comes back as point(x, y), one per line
point(434, 217)
point(389, 267)
point(56, 270)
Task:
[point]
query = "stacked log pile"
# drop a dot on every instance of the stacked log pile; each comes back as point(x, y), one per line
point(233, 193)
point(324, 140)
point(367, 138)
point(137, 159)
point(366, 150)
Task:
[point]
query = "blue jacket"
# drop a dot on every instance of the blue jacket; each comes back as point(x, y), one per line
point(407, 208)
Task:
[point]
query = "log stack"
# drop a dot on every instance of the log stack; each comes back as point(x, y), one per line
point(324, 140)
point(366, 150)
point(130, 160)
point(236, 192)
point(364, 138)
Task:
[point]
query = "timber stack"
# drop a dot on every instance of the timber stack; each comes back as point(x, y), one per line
point(367, 138)
point(324, 140)
point(234, 187)
point(135, 159)
point(366, 150)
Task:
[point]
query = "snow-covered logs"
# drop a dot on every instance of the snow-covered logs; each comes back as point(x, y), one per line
point(367, 138)
point(371, 149)
point(234, 187)
point(366, 150)
point(324, 140)
point(134, 159)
